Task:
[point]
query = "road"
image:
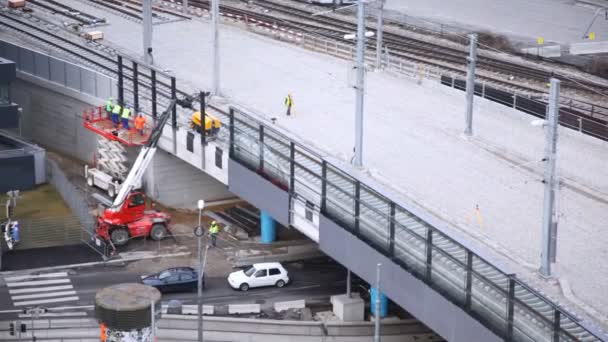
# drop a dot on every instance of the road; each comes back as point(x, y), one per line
point(70, 293)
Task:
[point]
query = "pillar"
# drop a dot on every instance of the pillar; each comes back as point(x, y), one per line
point(269, 227)
point(383, 303)
point(125, 313)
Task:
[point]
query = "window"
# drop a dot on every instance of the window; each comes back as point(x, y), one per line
point(173, 278)
point(136, 200)
point(274, 271)
point(309, 208)
point(250, 271)
point(218, 157)
point(163, 275)
point(186, 277)
point(261, 273)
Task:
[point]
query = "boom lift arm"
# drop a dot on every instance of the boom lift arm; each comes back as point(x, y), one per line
point(143, 159)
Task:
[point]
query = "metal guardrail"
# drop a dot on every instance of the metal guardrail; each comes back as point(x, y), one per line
point(500, 301)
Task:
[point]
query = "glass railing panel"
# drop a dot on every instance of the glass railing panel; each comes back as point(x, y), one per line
point(410, 249)
point(448, 274)
point(571, 331)
point(530, 325)
point(489, 302)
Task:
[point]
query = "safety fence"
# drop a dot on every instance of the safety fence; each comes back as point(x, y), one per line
point(499, 300)
point(569, 115)
point(77, 201)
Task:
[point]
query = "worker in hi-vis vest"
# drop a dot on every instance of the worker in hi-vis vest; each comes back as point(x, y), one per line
point(116, 111)
point(288, 103)
point(214, 229)
point(109, 106)
point(126, 114)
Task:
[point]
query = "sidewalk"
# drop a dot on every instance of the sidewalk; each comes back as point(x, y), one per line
point(413, 143)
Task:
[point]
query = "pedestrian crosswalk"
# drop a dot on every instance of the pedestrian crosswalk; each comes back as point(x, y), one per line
point(49, 289)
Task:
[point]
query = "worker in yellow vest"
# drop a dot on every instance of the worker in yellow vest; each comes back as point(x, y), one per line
point(116, 111)
point(109, 106)
point(288, 103)
point(126, 114)
point(214, 229)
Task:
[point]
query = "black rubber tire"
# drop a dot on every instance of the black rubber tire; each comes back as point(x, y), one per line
point(158, 231)
point(244, 287)
point(90, 181)
point(119, 236)
point(280, 283)
point(111, 191)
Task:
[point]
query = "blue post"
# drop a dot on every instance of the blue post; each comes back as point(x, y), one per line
point(269, 227)
point(383, 303)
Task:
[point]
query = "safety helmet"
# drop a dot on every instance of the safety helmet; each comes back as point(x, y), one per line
point(213, 222)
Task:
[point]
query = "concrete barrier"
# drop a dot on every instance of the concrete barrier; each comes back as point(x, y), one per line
point(244, 308)
point(293, 304)
point(183, 328)
point(193, 309)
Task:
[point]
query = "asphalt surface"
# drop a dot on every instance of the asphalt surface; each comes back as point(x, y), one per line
point(75, 290)
point(48, 256)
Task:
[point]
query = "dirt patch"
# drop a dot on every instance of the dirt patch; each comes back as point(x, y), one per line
point(41, 202)
point(496, 41)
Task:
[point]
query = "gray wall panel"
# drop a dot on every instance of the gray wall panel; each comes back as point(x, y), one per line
point(54, 120)
point(427, 305)
point(72, 76)
point(103, 87)
point(12, 53)
point(178, 184)
point(41, 63)
point(26, 62)
point(87, 82)
point(57, 71)
point(254, 189)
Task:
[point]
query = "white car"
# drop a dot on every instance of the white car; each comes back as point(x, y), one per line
point(263, 274)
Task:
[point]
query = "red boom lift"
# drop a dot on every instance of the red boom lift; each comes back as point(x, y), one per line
point(127, 217)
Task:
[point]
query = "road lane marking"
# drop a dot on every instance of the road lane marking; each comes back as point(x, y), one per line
point(45, 301)
point(41, 289)
point(47, 275)
point(42, 295)
point(38, 282)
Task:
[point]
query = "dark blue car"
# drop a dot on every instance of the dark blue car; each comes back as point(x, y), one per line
point(177, 279)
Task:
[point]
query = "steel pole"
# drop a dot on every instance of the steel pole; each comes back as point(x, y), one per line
point(215, 12)
point(471, 62)
point(550, 160)
point(360, 87)
point(152, 321)
point(200, 283)
point(377, 307)
point(348, 290)
point(147, 23)
point(185, 6)
point(380, 31)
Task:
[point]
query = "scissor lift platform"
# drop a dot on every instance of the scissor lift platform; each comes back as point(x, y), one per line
point(98, 121)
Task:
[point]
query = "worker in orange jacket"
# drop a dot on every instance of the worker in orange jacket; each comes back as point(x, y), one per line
point(140, 123)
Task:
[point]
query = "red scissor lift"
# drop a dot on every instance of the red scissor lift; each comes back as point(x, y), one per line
point(98, 121)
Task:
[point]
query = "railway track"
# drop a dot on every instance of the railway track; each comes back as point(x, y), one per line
point(503, 74)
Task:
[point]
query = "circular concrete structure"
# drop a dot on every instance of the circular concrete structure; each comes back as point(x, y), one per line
point(125, 310)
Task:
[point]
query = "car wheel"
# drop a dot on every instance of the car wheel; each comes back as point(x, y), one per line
point(119, 236)
point(111, 191)
point(90, 181)
point(158, 232)
point(244, 287)
point(280, 283)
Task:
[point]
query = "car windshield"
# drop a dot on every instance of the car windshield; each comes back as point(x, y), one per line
point(250, 271)
point(164, 274)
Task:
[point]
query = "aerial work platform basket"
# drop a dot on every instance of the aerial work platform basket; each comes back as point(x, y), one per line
point(98, 121)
